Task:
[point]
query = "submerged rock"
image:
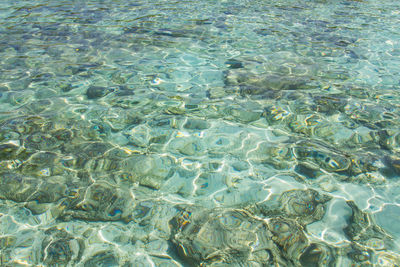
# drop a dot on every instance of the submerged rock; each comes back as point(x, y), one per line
point(234, 64)
point(149, 170)
point(62, 134)
point(330, 104)
point(363, 230)
point(289, 236)
point(94, 92)
point(224, 237)
point(310, 171)
point(392, 165)
point(243, 115)
point(196, 124)
point(102, 259)
point(8, 151)
point(328, 159)
point(318, 255)
point(235, 237)
point(259, 84)
point(277, 114)
point(305, 206)
point(93, 149)
point(100, 202)
point(24, 189)
point(61, 248)
point(41, 141)
point(276, 156)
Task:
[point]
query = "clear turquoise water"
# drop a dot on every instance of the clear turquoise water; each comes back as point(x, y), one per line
point(188, 133)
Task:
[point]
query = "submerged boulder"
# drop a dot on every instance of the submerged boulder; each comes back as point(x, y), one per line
point(363, 230)
point(229, 237)
point(260, 84)
point(305, 206)
point(94, 92)
point(61, 248)
point(100, 202)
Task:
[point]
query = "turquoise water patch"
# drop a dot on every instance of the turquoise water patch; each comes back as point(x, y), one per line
point(199, 133)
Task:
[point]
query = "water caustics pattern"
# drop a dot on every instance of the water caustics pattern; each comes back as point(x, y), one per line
point(200, 133)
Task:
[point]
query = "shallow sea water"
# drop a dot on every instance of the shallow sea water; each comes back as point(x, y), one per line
point(199, 133)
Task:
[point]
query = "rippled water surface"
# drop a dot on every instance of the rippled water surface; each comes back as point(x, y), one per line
point(188, 133)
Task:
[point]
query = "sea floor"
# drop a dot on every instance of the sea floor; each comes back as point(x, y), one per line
point(200, 133)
